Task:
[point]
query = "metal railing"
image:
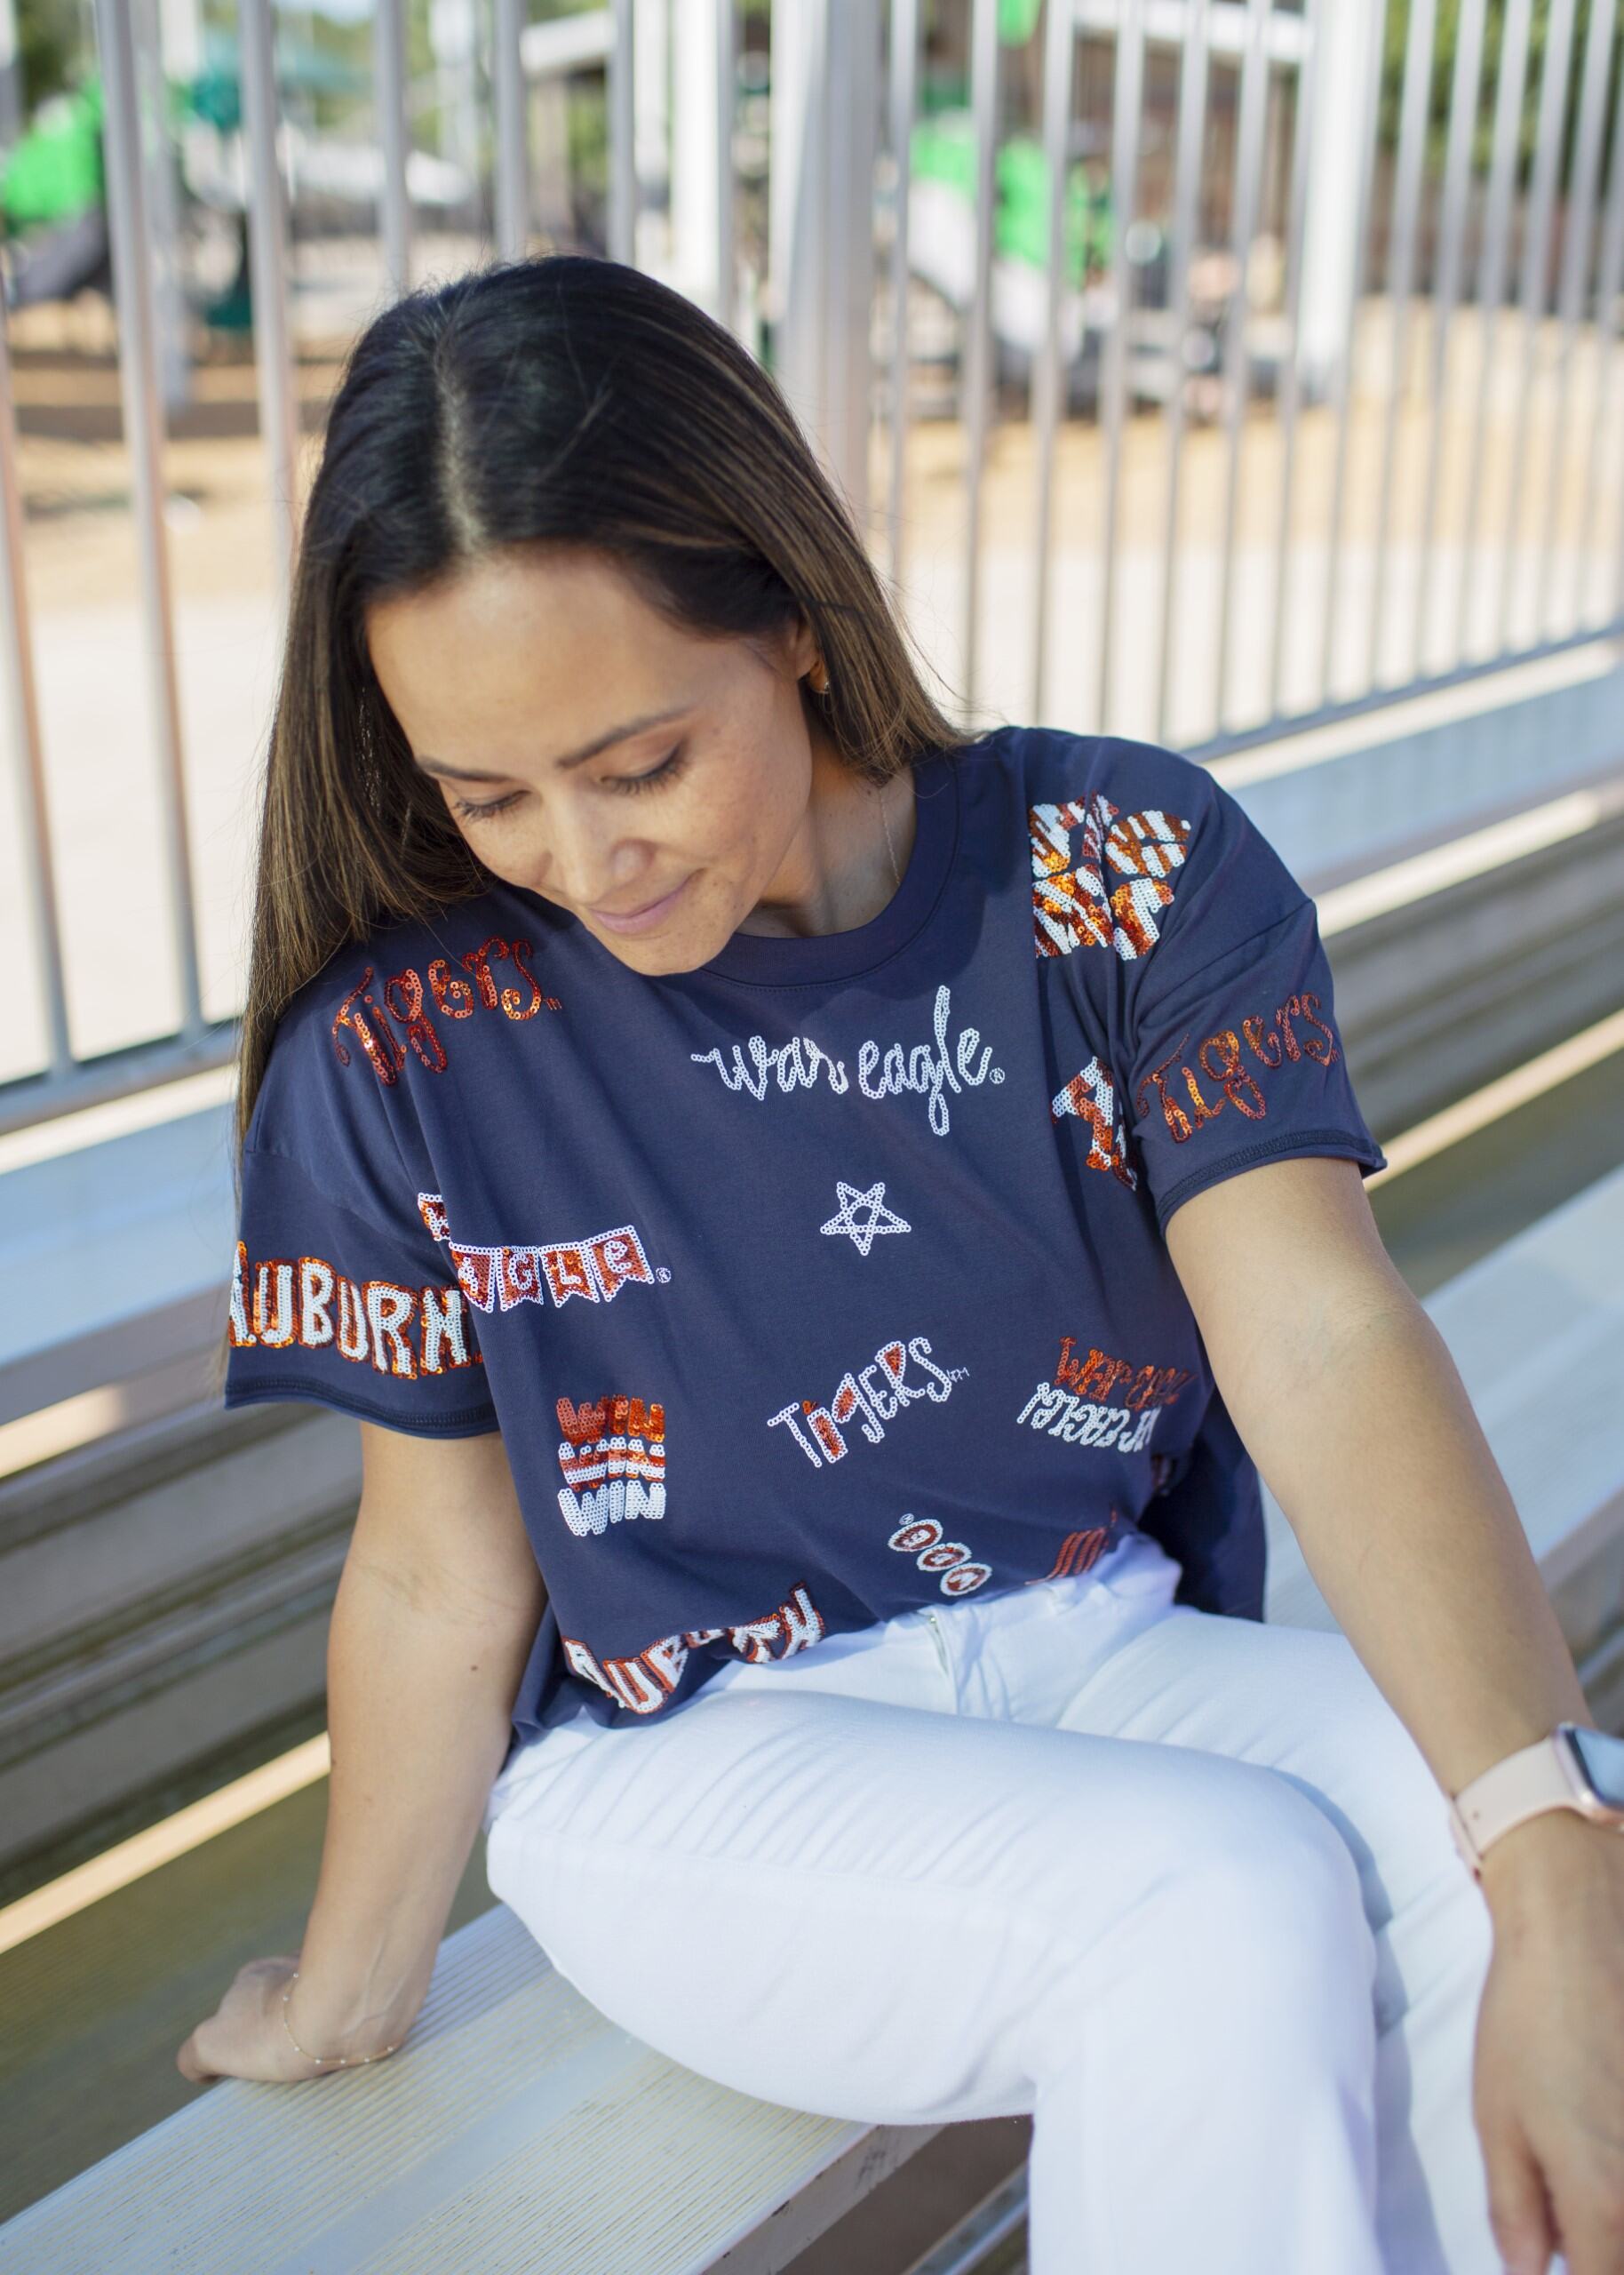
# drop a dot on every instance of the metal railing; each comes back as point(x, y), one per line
point(1212, 139)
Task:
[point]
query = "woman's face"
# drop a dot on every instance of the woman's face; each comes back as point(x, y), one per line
point(595, 753)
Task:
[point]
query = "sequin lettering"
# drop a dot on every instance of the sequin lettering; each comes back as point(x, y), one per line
point(613, 1459)
point(372, 1023)
point(1085, 1422)
point(1092, 1096)
point(1098, 1376)
point(869, 1398)
point(594, 1268)
point(929, 1070)
point(1079, 1553)
point(1230, 1073)
point(404, 1331)
point(644, 1682)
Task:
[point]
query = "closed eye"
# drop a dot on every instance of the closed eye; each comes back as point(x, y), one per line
point(665, 771)
point(668, 768)
point(491, 805)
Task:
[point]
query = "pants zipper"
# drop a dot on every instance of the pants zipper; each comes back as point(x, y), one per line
point(935, 1637)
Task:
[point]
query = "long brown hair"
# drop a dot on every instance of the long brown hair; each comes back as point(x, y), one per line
point(568, 400)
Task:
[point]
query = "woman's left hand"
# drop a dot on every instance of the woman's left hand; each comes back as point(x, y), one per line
point(1548, 2071)
point(244, 2037)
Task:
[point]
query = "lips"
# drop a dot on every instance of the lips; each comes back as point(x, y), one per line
point(639, 920)
point(617, 915)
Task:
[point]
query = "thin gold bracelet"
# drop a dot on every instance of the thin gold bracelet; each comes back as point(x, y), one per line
point(339, 2060)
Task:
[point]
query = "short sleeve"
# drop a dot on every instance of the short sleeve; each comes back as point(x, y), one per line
point(1234, 1057)
point(329, 1306)
point(339, 1286)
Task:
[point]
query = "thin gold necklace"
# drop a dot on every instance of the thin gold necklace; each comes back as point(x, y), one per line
point(890, 847)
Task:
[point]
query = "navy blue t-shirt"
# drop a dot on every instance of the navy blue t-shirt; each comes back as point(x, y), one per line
point(828, 1279)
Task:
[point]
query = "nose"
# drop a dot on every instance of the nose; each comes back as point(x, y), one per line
point(589, 864)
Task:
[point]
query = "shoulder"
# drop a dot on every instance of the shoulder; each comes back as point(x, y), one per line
point(1132, 842)
point(338, 1082)
point(1103, 778)
point(1056, 766)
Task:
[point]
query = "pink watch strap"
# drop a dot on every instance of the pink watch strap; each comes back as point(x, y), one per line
point(1535, 1778)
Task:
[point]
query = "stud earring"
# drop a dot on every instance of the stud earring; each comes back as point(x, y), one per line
point(819, 677)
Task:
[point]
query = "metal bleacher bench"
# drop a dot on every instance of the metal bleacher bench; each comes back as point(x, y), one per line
point(519, 2133)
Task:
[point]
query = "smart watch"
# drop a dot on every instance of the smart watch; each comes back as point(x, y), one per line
point(1574, 1767)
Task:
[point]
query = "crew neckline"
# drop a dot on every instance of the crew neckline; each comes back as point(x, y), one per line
point(777, 960)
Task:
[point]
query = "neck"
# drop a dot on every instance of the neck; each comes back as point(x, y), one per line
point(838, 872)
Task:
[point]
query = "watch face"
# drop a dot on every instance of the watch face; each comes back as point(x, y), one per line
point(1602, 1760)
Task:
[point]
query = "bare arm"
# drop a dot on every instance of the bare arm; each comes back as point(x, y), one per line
point(1349, 1400)
point(1347, 1397)
point(436, 1610)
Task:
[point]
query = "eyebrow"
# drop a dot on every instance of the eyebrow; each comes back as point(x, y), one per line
point(570, 758)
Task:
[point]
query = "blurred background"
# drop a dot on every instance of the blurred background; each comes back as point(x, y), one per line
point(1243, 375)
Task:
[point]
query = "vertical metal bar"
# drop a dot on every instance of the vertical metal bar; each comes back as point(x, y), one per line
point(1342, 386)
point(1446, 292)
point(797, 215)
point(143, 439)
point(1237, 363)
point(1127, 100)
point(851, 92)
point(1059, 59)
point(1536, 273)
point(1186, 213)
point(978, 354)
point(27, 743)
point(1604, 326)
point(902, 75)
point(268, 260)
point(696, 185)
point(1578, 228)
point(11, 118)
point(1415, 105)
point(621, 136)
point(513, 169)
point(1291, 383)
point(394, 138)
point(171, 314)
point(824, 110)
point(727, 98)
point(1491, 275)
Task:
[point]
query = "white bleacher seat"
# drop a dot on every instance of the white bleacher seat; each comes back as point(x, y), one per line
point(517, 2131)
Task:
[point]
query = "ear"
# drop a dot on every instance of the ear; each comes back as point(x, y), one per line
point(803, 650)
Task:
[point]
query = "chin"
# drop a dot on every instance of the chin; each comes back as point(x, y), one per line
point(656, 957)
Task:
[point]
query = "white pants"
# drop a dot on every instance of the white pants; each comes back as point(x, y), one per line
point(1179, 1885)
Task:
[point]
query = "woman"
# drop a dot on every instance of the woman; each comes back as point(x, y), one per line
point(817, 1216)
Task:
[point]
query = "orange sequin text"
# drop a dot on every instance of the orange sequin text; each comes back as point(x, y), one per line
point(1079, 1553)
point(1230, 1066)
point(1098, 1376)
point(303, 1300)
point(1103, 1401)
point(644, 1682)
point(613, 1459)
point(407, 1010)
point(1092, 1097)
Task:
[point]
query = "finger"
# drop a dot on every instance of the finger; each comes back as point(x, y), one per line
point(1519, 2208)
point(190, 2064)
point(1592, 2240)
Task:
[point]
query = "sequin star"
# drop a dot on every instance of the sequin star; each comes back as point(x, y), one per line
point(879, 1218)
